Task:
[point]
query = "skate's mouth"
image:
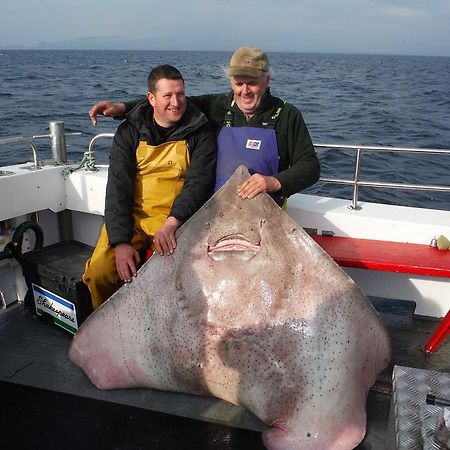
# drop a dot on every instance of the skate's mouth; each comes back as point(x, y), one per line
point(233, 245)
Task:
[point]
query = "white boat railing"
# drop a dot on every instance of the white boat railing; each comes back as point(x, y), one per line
point(96, 138)
point(58, 143)
point(26, 140)
point(57, 135)
point(356, 182)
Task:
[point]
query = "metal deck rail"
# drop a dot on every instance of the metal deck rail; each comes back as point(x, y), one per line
point(58, 142)
point(57, 136)
point(356, 182)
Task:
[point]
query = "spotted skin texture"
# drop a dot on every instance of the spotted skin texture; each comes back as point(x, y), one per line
point(248, 309)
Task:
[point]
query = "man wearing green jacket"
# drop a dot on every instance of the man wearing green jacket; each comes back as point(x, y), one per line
point(253, 128)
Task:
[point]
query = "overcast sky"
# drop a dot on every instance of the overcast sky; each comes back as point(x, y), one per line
point(417, 27)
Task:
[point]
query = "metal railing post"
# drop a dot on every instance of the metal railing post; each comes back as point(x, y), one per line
point(354, 204)
point(58, 137)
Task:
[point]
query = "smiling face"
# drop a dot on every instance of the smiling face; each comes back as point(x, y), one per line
point(168, 101)
point(249, 91)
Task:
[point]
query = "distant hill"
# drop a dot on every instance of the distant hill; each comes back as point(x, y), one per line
point(121, 43)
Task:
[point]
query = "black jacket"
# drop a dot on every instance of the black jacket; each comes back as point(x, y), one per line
point(200, 177)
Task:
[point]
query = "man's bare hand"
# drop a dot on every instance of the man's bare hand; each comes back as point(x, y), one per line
point(164, 239)
point(127, 261)
point(256, 184)
point(107, 109)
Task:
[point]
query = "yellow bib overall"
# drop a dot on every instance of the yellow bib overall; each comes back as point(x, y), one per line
point(161, 171)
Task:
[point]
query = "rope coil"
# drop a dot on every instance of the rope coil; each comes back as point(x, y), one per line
point(87, 163)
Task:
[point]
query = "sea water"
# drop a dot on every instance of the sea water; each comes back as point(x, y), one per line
point(374, 100)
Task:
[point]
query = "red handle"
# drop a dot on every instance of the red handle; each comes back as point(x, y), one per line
point(440, 333)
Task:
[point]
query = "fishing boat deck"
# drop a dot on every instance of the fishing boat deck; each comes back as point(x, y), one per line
point(47, 402)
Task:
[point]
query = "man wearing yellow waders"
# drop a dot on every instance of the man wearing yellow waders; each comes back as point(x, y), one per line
point(161, 171)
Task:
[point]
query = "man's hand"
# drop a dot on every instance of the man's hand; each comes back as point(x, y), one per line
point(256, 184)
point(106, 109)
point(127, 260)
point(164, 239)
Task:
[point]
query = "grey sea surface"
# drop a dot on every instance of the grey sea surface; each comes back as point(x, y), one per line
point(374, 100)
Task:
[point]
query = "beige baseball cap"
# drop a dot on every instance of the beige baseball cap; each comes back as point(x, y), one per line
point(248, 61)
